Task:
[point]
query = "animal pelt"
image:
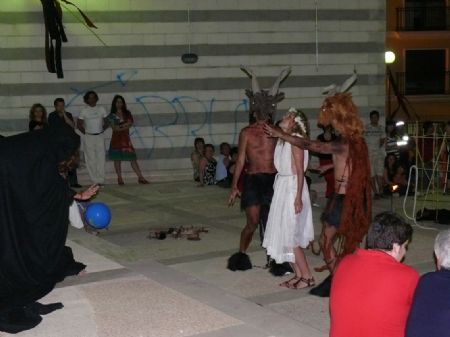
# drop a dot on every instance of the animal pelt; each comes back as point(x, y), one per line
point(440, 216)
point(323, 289)
point(280, 269)
point(239, 261)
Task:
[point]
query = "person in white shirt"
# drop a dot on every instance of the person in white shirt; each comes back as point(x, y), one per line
point(92, 123)
point(373, 134)
point(223, 162)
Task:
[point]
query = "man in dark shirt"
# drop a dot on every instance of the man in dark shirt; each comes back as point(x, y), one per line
point(430, 311)
point(58, 118)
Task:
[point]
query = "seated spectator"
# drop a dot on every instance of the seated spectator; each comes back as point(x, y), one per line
point(232, 166)
point(372, 291)
point(38, 117)
point(430, 311)
point(207, 167)
point(196, 156)
point(223, 162)
point(394, 174)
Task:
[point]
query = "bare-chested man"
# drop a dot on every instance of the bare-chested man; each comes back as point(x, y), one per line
point(348, 211)
point(256, 153)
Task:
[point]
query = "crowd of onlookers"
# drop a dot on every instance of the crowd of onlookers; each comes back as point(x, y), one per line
point(92, 122)
point(209, 170)
point(392, 152)
point(374, 294)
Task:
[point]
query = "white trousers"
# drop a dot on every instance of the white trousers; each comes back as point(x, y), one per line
point(94, 156)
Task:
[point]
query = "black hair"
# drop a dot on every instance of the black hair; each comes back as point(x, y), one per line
point(221, 146)
point(198, 140)
point(113, 105)
point(209, 145)
point(57, 100)
point(386, 229)
point(88, 93)
point(374, 112)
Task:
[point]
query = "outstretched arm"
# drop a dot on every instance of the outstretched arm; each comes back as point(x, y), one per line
point(306, 144)
point(87, 194)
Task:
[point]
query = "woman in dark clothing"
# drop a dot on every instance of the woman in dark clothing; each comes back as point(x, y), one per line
point(38, 117)
point(35, 199)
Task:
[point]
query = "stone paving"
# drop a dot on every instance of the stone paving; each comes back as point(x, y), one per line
point(136, 286)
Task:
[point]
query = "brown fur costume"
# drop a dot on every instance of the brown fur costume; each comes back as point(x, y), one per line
point(340, 112)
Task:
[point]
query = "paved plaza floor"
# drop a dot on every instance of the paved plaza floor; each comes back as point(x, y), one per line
point(141, 287)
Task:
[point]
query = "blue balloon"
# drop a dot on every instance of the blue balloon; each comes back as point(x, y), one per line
point(98, 215)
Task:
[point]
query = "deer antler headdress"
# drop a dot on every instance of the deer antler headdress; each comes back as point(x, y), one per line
point(261, 100)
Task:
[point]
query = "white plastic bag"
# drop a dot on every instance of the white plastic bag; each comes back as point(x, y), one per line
point(75, 216)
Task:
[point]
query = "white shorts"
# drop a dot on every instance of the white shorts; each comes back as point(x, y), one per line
point(376, 164)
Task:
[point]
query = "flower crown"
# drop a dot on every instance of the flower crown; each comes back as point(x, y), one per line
point(299, 119)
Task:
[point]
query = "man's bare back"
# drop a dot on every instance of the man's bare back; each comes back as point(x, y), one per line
point(259, 149)
point(255, 152)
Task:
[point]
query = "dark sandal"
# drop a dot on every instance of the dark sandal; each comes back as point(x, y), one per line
point(287, 284)
point(308, 281)
point(143, 181)
point(314, 250)
point(120, 181)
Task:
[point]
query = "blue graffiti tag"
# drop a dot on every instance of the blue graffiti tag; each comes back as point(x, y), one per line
point(179, 116)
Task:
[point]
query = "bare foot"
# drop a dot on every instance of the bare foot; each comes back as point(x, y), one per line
point(82, 273)
point(142, 180)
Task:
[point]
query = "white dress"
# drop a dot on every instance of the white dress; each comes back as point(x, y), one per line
point(285, 229)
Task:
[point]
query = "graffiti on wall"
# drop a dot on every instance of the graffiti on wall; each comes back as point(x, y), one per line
point(179, 113)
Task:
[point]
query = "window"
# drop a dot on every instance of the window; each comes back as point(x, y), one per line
point(423, 15)
point(425, 72)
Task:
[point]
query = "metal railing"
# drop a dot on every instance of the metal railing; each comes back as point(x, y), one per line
point(423, 18)
point(424, 83)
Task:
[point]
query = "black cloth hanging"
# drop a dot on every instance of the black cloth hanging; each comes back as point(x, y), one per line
point(54, 31)
point(34, 211)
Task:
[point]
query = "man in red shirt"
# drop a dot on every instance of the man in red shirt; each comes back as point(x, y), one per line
point(372, 291)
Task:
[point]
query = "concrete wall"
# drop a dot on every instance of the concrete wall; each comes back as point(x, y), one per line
point(172, 102)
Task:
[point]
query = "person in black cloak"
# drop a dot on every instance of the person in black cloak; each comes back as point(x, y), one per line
point(34, 210)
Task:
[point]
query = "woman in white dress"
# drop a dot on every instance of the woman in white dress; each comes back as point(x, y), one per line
point(290, 226)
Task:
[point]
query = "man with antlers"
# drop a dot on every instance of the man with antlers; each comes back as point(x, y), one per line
point(256, 152)
point(348, 212)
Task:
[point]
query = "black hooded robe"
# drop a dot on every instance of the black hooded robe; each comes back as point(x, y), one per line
point(34, 210)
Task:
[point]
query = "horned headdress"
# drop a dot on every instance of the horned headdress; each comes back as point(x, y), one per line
point(264, 101)
point(344, 87)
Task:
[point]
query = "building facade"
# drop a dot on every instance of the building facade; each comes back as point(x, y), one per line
point(418, 32)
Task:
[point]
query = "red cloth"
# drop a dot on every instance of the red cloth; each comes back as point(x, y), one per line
point(371, 295)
